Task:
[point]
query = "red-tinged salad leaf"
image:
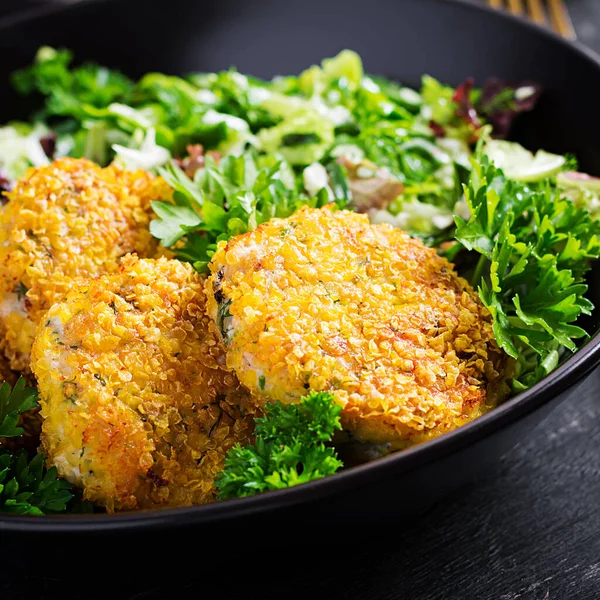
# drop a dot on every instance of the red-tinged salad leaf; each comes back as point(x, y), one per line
point(465, 109)
point(438, 130)
point(48, 144)
point(498, 104)
point(578, 180)
point(501, 102)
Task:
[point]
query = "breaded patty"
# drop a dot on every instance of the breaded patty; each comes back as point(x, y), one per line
point(323, 300)
point(65, 222)
point(138, 407)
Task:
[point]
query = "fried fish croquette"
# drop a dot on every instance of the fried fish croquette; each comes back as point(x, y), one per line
point(323, 300)
point(64, 222)
point(138, 406)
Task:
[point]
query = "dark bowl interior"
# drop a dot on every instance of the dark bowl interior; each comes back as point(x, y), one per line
point(402, 39)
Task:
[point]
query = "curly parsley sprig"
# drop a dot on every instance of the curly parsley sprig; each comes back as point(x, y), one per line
point(290, 448)
point(27, 488)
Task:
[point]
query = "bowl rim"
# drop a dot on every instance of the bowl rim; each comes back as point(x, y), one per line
point(575, 368)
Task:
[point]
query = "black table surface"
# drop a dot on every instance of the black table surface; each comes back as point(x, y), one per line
point(528, 530)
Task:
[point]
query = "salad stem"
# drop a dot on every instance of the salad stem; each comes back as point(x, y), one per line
point(479, 270)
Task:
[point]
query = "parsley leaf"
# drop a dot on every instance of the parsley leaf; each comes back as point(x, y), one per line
point(535, 248)
point(26, 488)
point(13, 402)
point(290, 448)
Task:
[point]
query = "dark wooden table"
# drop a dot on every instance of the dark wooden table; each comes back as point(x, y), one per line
point(529, 530)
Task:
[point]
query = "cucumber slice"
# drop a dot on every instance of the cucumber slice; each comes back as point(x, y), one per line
point(520, 164)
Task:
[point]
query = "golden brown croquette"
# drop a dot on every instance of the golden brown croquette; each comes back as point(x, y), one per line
point(65, 222)
point(323, 300)
point(138, 406)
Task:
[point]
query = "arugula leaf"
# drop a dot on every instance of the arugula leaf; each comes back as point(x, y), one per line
point(27, 488)
point(225, 199)
point(535, 249)
point(13, 402)
point(290, 448)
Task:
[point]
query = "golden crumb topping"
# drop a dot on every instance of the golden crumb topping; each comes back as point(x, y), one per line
point(138, 407)
point(323, 300)
point(65, 222)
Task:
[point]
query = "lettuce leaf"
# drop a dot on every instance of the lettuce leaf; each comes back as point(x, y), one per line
point(302, 138)
point(20, 148)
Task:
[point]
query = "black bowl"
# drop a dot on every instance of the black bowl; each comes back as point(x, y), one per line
point(399, 38)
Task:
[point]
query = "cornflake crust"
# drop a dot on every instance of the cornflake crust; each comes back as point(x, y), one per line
point(63, 223)
point(323, 300)
point(139, 409)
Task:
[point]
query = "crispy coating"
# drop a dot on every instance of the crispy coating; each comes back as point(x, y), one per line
point(63, 223)
point(138, 408)
point(323, 300)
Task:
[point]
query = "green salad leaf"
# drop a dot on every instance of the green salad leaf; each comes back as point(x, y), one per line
point(290, 449)
point(71, 91)
point(520, 164)
point(225, 199)
point(21, 148)
point(302, 138)
point(346, 66)
point(437, 99)
point(330, 111)
point(582, 189)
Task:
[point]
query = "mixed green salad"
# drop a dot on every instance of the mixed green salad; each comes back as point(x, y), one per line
point(238, 151)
